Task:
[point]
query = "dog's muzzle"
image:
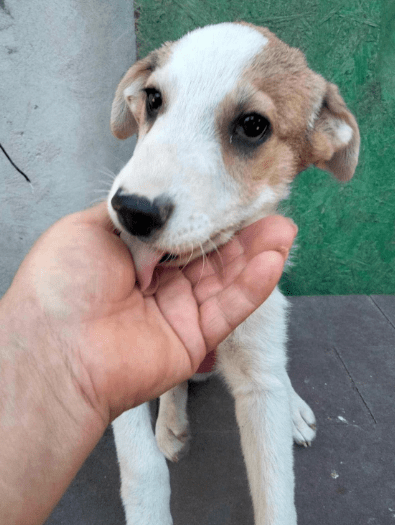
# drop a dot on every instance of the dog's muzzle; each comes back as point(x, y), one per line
point(138, 215)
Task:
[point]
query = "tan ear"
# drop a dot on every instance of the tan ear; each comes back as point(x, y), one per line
point(123, 123)
point(336, 137)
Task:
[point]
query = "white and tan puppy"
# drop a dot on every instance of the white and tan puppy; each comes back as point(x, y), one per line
point(226, 118)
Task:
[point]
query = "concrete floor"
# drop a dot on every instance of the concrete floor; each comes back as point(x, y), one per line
point(342, 362)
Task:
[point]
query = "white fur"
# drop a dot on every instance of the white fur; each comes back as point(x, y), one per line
point(172, 427)
point(344, 132)
point(145, 483)
point(219, 54)
point(181, 157)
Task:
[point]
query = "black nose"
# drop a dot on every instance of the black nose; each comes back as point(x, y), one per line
point(138, 215)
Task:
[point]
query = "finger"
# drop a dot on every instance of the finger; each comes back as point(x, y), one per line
point(223, 312)
point(272, 233)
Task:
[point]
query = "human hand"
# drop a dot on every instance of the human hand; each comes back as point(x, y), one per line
point(120, 347)
point(80, 343)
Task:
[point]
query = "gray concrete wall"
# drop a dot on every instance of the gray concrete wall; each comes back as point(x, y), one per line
point(60, 62)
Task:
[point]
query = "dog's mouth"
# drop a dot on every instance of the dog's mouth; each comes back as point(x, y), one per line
point(183, 256)
point(169, 257)
point(148, 259)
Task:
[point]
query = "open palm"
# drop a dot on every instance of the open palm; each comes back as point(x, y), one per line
point(125, 347)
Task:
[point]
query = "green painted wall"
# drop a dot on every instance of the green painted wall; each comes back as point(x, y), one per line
point(347, 232)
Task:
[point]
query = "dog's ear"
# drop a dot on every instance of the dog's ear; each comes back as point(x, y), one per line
point(335, 138)
point(123, 123)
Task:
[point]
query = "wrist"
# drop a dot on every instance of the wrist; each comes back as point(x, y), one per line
point(47, 425)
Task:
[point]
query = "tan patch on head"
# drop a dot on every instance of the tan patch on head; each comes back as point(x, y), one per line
point(162, 55)
point(275, 166)
point(310, 112)
point(265, 90)
point(282, 73)
point(273, 161)
point(280, 86)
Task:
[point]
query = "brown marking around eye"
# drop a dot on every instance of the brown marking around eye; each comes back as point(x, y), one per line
point(279, 85)
point(281, 73)
point(271, 162)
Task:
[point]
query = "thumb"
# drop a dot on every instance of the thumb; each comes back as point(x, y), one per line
point(96, 215)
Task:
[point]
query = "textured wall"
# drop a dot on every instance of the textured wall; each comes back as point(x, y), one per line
point(60, 62)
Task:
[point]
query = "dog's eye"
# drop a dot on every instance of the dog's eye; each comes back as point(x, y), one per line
point(153, 101)
point(252, 128)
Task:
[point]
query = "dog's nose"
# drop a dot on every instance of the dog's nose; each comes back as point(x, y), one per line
point(140, 216)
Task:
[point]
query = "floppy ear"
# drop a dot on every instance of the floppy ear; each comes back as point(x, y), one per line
point(123, 123)
point(336, 137)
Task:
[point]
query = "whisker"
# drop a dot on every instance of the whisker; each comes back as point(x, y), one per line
point(219, 256)
point(98, 196)
point(204, 257)
point(99, 165)
point(106, 171)
point(189, 258)
point(96, 201)
point(100, 190)
point(105, 183)
point(109, 175)
point(119, 159)
point(104, 191)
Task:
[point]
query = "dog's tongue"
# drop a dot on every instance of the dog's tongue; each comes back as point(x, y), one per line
point(145, 261)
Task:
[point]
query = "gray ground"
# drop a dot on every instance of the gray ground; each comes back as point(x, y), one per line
point(342, 362)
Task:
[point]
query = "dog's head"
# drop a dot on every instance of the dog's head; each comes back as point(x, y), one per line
point(226, 117)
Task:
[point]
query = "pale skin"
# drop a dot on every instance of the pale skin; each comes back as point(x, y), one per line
point(79, 342)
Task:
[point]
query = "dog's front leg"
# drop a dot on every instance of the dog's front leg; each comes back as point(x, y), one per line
point(145, 483)
point(172, 427)
point(253, 363)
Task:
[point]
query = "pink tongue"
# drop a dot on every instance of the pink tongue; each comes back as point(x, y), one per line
point(145, 261)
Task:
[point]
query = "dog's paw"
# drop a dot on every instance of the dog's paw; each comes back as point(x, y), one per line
point(303, 422)
point(174, 443)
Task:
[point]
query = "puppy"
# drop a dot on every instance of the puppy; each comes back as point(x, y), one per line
point(226, 117)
